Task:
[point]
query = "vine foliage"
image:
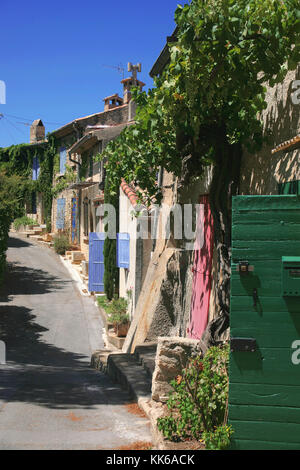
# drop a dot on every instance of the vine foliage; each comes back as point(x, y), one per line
point(16, 163)
point(206, 106)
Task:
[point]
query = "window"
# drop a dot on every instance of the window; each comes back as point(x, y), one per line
point(33, 203)
point(35, 169)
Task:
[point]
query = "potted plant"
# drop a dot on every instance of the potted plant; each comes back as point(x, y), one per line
point(121, 323)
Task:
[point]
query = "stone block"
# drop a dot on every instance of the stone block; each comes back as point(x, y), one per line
point(77, 256)
point(172, 356)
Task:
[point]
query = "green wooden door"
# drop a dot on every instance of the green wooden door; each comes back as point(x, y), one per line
point(264, 391)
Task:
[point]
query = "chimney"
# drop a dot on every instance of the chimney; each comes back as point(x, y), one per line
point(37, 131)
point(128, 83)
point(113, 101)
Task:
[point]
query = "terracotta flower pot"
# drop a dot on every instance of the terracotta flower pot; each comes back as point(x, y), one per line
point(122, 329)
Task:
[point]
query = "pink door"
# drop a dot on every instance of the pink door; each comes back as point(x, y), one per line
point(203, 254)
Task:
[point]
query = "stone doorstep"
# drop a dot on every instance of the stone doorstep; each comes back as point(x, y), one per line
point(115, 340)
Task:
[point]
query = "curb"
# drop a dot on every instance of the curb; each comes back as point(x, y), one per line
point(111, 363)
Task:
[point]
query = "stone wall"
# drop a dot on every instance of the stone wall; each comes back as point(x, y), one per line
point(172, 356)
point(261, 172)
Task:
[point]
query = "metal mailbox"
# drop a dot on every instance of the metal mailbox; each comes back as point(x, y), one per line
point(290, 276)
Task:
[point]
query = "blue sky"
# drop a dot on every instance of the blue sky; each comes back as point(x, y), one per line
point(54, 56)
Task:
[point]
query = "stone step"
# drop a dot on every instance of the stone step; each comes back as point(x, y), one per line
point(146, 354)
point(33, 232)
point(129, 373)
point(36, 237)
point(132, 371)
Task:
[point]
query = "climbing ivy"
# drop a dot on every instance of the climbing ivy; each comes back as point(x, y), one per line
point(64, 181)
point(206, 107)
point(18, 160)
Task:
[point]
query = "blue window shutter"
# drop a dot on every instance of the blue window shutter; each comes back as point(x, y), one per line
point(123, 251)
point(35, 168)
point(63, 160)
point(60, 213)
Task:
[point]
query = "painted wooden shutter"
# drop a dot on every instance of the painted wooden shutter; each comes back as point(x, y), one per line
point(60, 213)
point(63, 160)
point(35, 168)
point(202, 267)
point(123, 250)
point(96, 262)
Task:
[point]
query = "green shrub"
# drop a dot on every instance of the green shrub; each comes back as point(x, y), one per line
point(218, 439)
point(199, 400)
point(116, 309)
point(23, 221)
point(61, 244)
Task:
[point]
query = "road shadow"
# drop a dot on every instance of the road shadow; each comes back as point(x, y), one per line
point(14, 242)
point(22, 280)
point(40, 373)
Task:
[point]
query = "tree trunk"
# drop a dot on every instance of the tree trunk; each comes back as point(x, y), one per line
point(224, 185)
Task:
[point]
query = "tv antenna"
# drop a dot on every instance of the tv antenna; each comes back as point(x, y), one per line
point(118, 67)
point(134, 69)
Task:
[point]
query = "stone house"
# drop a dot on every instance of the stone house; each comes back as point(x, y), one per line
point(176, 298)
point(78, 209)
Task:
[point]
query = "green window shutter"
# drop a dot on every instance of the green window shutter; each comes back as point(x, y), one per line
point(291, 187)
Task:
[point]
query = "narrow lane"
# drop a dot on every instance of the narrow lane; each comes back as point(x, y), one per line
point(49, 396)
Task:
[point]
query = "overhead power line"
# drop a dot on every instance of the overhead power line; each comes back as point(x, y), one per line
point(31, 120)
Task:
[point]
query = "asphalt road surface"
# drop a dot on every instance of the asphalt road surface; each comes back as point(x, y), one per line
point(50, 398)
